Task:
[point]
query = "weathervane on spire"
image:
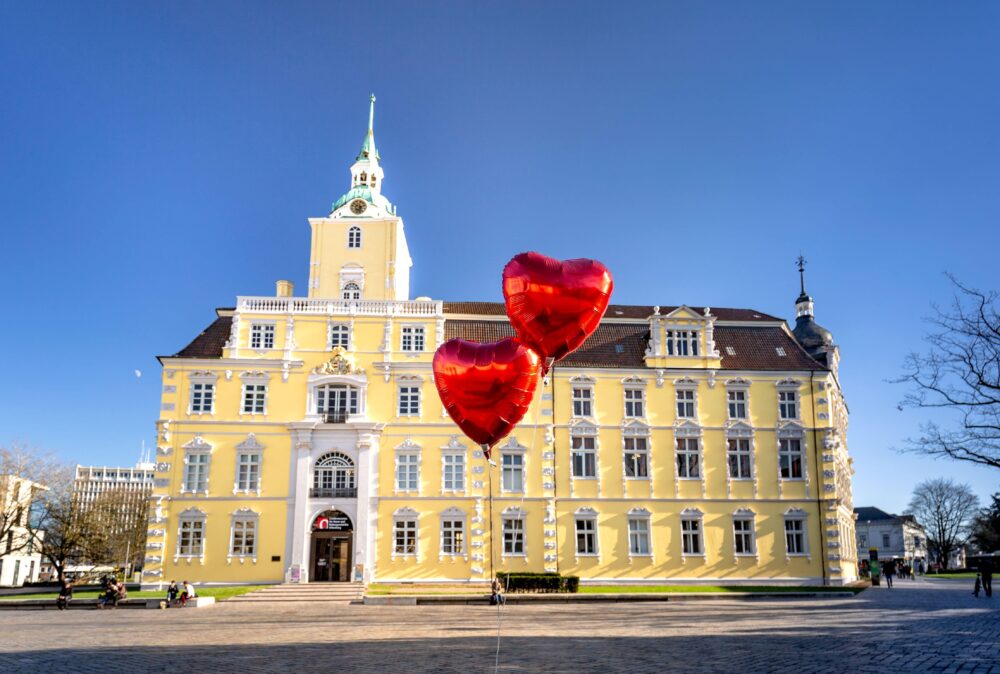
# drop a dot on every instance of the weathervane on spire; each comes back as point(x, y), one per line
point(801, 262)
point(371, 113)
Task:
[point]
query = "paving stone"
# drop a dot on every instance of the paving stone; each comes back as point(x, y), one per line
point(919, 626)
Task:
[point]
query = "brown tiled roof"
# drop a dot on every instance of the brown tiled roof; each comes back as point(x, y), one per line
point(613, 345)
point(623, 345)
point(633, 311)
point(210, 342)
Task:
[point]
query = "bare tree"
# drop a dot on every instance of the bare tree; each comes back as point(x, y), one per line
point(116, 521)
point(25, 475)
point(945, 509)
point(960, 373)
point(65, 527)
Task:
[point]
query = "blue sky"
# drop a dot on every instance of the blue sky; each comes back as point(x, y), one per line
point(157, 159)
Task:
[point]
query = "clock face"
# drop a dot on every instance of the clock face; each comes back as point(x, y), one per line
point(358, 206)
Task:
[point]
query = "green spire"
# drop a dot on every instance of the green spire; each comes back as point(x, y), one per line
point(368, 149)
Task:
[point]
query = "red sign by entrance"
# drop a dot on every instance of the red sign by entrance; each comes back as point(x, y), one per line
point(322, 522)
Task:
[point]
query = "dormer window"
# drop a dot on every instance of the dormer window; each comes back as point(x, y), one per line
point(682, 342)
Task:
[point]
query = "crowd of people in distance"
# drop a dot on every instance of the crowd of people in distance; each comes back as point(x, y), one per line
point(114, 591)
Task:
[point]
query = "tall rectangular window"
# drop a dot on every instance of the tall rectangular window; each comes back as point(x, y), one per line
point(248, 471)
point(583, 401)
point(739, 459)
point(412, 338)
point(513, 536)
point(795, 536)
point(788, 404)
point(737, 404)
point(453, 472)
point(202, 398)
point(634, 403)
point(191, 538)
point(407, 472)
point(254, 398)
point(584, 451)
point(682, 342)
point(687, 458)
point(452, 536)
point(513, 472)
point(743, 533)
point(636, 457)
point(638, 536)
point(885, 540)
point(409, 401)
point(691, 536)
point(586, 536)
point(685, 404)
point(340, 335)
point(244, 538)
point(404, 533)
point(196, 472)
point(261, 336)
point(790, 458)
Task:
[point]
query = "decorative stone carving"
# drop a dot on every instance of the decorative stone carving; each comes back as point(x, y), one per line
point(340, 363)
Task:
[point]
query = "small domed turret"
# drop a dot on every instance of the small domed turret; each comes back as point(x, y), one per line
point(814, 338)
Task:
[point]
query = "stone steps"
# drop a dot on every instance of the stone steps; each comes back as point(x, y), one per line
point(342, 593)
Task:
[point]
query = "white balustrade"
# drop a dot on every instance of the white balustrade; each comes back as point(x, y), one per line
point(333, 307)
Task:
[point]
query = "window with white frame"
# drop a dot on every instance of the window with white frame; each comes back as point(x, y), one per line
point(864, 540)
point(744, 539)
point(790, 458)
point(409, 401)
point(885, 540)
point(244, 537)
point(691, 543)
point(339, 335)
point(196, 472)
point(795, 536)
point(407, 471)
point(788, 404)
point(334, 474)
point(351, 291)
point(688, 459)
point(452, 535)
point(513, 535)
point(635, 407)
point(584, 453)
point(202, 398)
point(583, 401)
point(638, 536)
point(586, 535)
point(453, 471)
point(261, 336)
point(512, 471)
point(404, 535)
point(636, 457)
point(740, 458)
point(191, 536)
point(248, 471)
point(338, 400)
point(686, 404)
point(737, 403)
point(254, 398)
point(682, 342)
point(411, 338)
point(354, 237)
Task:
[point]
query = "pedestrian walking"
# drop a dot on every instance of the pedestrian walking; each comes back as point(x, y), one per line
point(988, 580)
point(889, 571)
point(977, 585)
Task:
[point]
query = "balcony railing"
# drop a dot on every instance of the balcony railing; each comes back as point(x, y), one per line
point(340, 492)
point(335, 417)
point(328, 307)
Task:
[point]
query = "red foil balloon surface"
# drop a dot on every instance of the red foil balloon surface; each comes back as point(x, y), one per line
point(555, 305)
point(486, 388)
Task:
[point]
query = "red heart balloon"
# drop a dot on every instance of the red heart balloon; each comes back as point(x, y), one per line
point(486, 388)
point(554, 305)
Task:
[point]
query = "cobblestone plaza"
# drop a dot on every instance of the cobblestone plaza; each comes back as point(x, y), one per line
point(919, 626)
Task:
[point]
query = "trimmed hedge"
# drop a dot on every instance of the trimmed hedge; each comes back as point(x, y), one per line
point(539, 582)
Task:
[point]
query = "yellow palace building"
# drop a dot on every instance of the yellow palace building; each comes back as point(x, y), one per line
point(301, 438)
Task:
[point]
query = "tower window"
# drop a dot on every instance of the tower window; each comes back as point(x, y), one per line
point(364, 177)
point(352, 291)
point(354, 237)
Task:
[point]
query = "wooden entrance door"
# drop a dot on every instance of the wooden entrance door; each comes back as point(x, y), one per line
point(331, 557)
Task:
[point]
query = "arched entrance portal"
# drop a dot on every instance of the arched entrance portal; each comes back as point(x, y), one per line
point(332, 532)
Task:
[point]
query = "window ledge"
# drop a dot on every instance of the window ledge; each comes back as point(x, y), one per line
point(690, 479)
point(792, 479)
point(637, 478)
point(594, 478)
point(515, 554)
point(741, 479)
point(588, 554)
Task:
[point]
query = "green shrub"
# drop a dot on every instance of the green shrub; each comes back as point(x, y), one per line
point(539, 582)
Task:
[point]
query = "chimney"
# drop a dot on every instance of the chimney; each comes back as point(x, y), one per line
point(284, 288)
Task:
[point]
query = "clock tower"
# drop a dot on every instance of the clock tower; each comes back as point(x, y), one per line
point(359, 250)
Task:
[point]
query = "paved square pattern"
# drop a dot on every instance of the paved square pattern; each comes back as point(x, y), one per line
point(919, 626)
